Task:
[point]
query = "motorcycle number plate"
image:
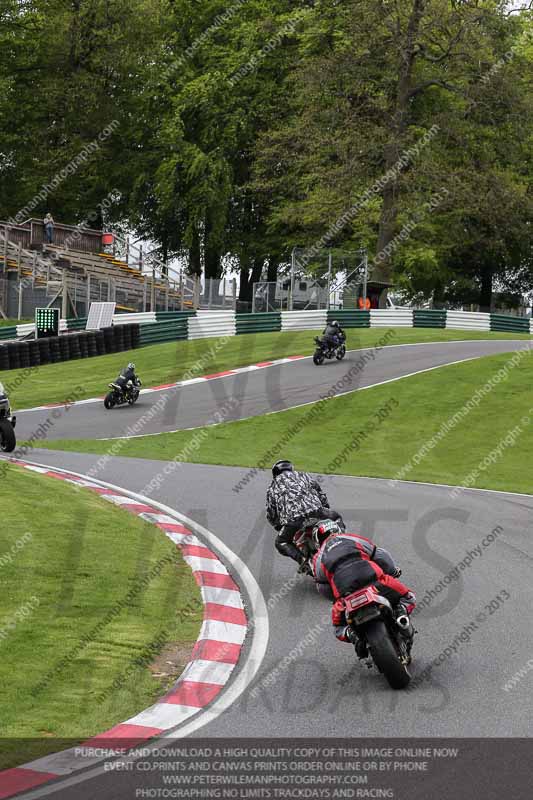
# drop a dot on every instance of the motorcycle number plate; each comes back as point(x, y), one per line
point(355, 601)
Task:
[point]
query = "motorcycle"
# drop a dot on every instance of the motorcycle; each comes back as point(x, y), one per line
point(120, 395)
point(382, 637)
point(8, 440)
point(325, 350)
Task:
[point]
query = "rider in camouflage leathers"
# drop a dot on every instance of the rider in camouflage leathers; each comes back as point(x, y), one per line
point(292, 498)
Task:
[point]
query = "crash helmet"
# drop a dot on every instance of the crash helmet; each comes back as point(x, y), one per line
point(324, 530)
point(282, 466)
point(335, 323)
point(131, 365)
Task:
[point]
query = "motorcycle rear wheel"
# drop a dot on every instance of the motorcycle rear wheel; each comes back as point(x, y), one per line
point(385, 655)
point(109, 401)
point(318, 358)
point(8, 440)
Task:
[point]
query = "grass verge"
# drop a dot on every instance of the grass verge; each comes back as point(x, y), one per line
point(68, 558)
point(406, 429)
point(166, 363)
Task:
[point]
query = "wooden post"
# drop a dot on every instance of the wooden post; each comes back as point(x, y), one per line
point(88, 293)
point(141, 259)
point(127, 250)
point(64, 295)
point(166, 298)
point(152, 294)
point(19, 311)
point(182, 299)
point(235, 294)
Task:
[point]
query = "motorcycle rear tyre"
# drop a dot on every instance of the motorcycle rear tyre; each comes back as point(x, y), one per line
point(385, 655)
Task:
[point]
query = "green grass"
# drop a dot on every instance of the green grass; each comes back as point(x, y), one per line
point(82, 557)
point(165, 363)
point(10, 323)
point(417, 407)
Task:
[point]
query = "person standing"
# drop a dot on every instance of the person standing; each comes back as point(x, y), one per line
point(49, 228)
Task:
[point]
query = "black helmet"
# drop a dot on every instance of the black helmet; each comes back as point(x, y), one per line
point(281, 466)
point(335, 323)
point(324, 530)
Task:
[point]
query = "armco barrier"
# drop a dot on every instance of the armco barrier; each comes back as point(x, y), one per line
point(303, 320)
point(429, 318)
point(159, 332)
point(350, 318)
point(391, 318)
point(468, 320)
point(258, 323)
point(504, 322)
point(206, 324)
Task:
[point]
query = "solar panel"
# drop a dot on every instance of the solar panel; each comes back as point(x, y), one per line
point(100, 316)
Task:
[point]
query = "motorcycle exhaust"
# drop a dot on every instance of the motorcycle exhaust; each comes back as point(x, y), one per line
point(404, 624)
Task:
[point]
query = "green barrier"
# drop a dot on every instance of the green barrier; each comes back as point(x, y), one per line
point(506, 323)
point(263, 322)
point(429, 318)
point(163, 316)
point(159, 332)
point(350, 318)
point(8, 333)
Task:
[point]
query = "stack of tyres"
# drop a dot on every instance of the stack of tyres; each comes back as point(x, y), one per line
point(55, 349)
point(109, 338)
point(44, 350)
point(64, 347)
point(35, 355)
point(100, 342)
point(13, 349)
point(126, 335)
point(73, 346)
point(119, 338)
point(84, 345)
point(91, 344)
point(24, 351)
point(135, 334)
point(4, 357)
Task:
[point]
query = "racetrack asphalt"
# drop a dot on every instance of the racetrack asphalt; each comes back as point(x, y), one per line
point(253, 393)
point(325, 690)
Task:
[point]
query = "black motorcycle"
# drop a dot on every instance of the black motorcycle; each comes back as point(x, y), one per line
point(120, 395)
point(8, 440)
point(326, 350)
point(383, 636)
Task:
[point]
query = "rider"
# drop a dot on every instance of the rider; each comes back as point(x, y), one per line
point(333, 334)
point(349, 562)
point(127, 375)
point(292, 498)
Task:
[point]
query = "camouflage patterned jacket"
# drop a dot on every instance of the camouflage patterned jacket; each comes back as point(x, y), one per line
point(292, 495)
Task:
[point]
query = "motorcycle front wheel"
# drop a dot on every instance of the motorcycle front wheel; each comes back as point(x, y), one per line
point(318, 358)
point(133, 398)
point(341, 352)
point(109, 401)
point(385, 655)
point(8, 440)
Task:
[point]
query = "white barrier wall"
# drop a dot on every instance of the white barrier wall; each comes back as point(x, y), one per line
point(391, 318)
point(303, 320)
point(468, 320)
point(212, 323)
point(128, 319)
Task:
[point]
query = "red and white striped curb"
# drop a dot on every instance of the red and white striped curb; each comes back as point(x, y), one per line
point(178, 385)
point(214, 657)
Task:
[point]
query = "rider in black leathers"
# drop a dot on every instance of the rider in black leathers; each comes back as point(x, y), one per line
point(292, 498)
point(126, 375)
point(333, 334)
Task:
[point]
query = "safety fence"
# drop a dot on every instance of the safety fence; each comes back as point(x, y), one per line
point(136, 330)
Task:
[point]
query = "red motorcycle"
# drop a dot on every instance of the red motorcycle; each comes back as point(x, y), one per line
point(383, 637)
